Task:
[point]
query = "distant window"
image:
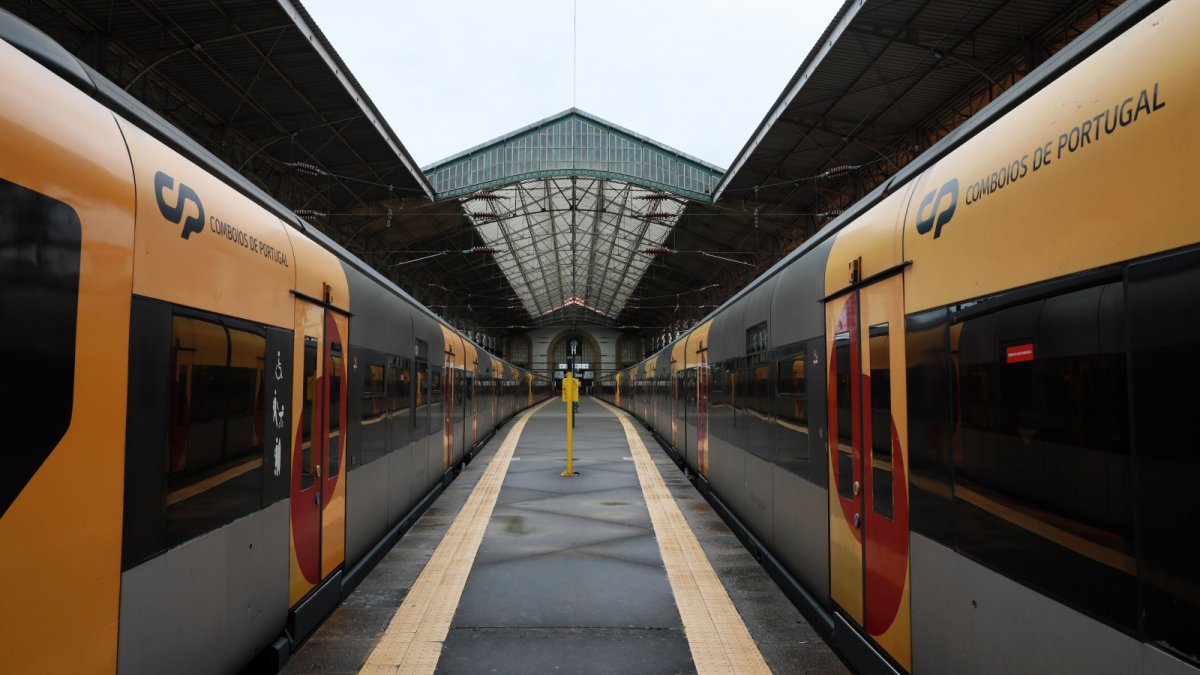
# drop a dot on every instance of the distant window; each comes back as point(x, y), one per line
point(373, 415)
point(756, 338)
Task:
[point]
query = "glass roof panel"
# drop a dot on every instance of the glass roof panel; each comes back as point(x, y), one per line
point(573, 241)
point(573, 143)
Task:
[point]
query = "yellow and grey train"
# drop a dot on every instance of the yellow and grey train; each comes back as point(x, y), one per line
point(217, 419)
point(957, 424)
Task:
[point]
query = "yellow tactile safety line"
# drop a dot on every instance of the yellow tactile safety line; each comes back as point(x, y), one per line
point(412, 642)
point(719, 640)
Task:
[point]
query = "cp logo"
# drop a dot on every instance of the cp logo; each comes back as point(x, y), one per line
point(174, 213)
point(931, 208)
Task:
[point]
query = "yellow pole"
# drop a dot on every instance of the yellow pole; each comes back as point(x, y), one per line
point(570, 395)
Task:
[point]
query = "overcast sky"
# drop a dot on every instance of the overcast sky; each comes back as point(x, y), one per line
point(697, 75)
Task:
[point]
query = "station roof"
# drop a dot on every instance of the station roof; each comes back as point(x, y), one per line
point(260, 85)
point(255, 82)
point(571, 205)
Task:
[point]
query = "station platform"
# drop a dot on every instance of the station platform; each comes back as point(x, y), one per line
point(623, 568)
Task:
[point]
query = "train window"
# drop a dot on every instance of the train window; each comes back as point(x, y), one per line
point(308, 420)
point(756, 339)
point(759, 406)
point(1042, 464)
point(1164, 329)
point(843, 376)
point(373, 414)
point(791, 413)
point(930, 423)
point(335, 409)
point(881, 420)
point(421, 401)
point(40, 240)
point(435, 400)
point(399, 388)
point(244, 420)
point(214, 446)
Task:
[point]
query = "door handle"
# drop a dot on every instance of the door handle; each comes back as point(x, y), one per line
point(857, 518)
point(856, 489)
point(317, 500)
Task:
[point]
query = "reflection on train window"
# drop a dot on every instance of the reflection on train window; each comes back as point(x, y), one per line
point(844, 390)
point(214, 447)
point(881, 420)
point(435, 400)
point(399, 403)
point(334, 449)
point(930, 422)
point(791, 413)
point(1043, 481)
point(1164, 329)
point(308, 420)
point(372, 433)
point(758, 422)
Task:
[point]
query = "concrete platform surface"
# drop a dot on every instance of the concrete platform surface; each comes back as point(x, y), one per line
point(568, 576)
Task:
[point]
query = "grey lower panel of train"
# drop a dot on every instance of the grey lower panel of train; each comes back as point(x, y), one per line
point(969, 619)
point(228, 588)
point(379, 493)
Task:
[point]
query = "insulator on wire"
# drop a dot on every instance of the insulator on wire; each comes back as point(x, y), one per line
point(833, 213)
point(310, 169)
point(660, 214)
point(484, 215)
point(310, 214)
point(480, 249)
point(656, 197)
point(837, 171)
point(657, 249)
point(389, 218)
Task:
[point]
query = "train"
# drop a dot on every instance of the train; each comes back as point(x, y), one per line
point(218, 419)
point(956, 424)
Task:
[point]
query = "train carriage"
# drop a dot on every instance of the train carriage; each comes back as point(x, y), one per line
point(219, 418)
point(952, 423)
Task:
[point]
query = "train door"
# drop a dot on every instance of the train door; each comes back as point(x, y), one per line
point(651, 401)
point(460, 416)
point(474, 406)
point(674, 408)
point(318, 495)
point(702, 377)
point(463, 389)
point(448, 374)
point(687, 416)
point(868, 494)
point(648, 397)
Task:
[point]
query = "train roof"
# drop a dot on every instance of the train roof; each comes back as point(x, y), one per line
point(1098, 36)
point(50, 54)
point(883, 71)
